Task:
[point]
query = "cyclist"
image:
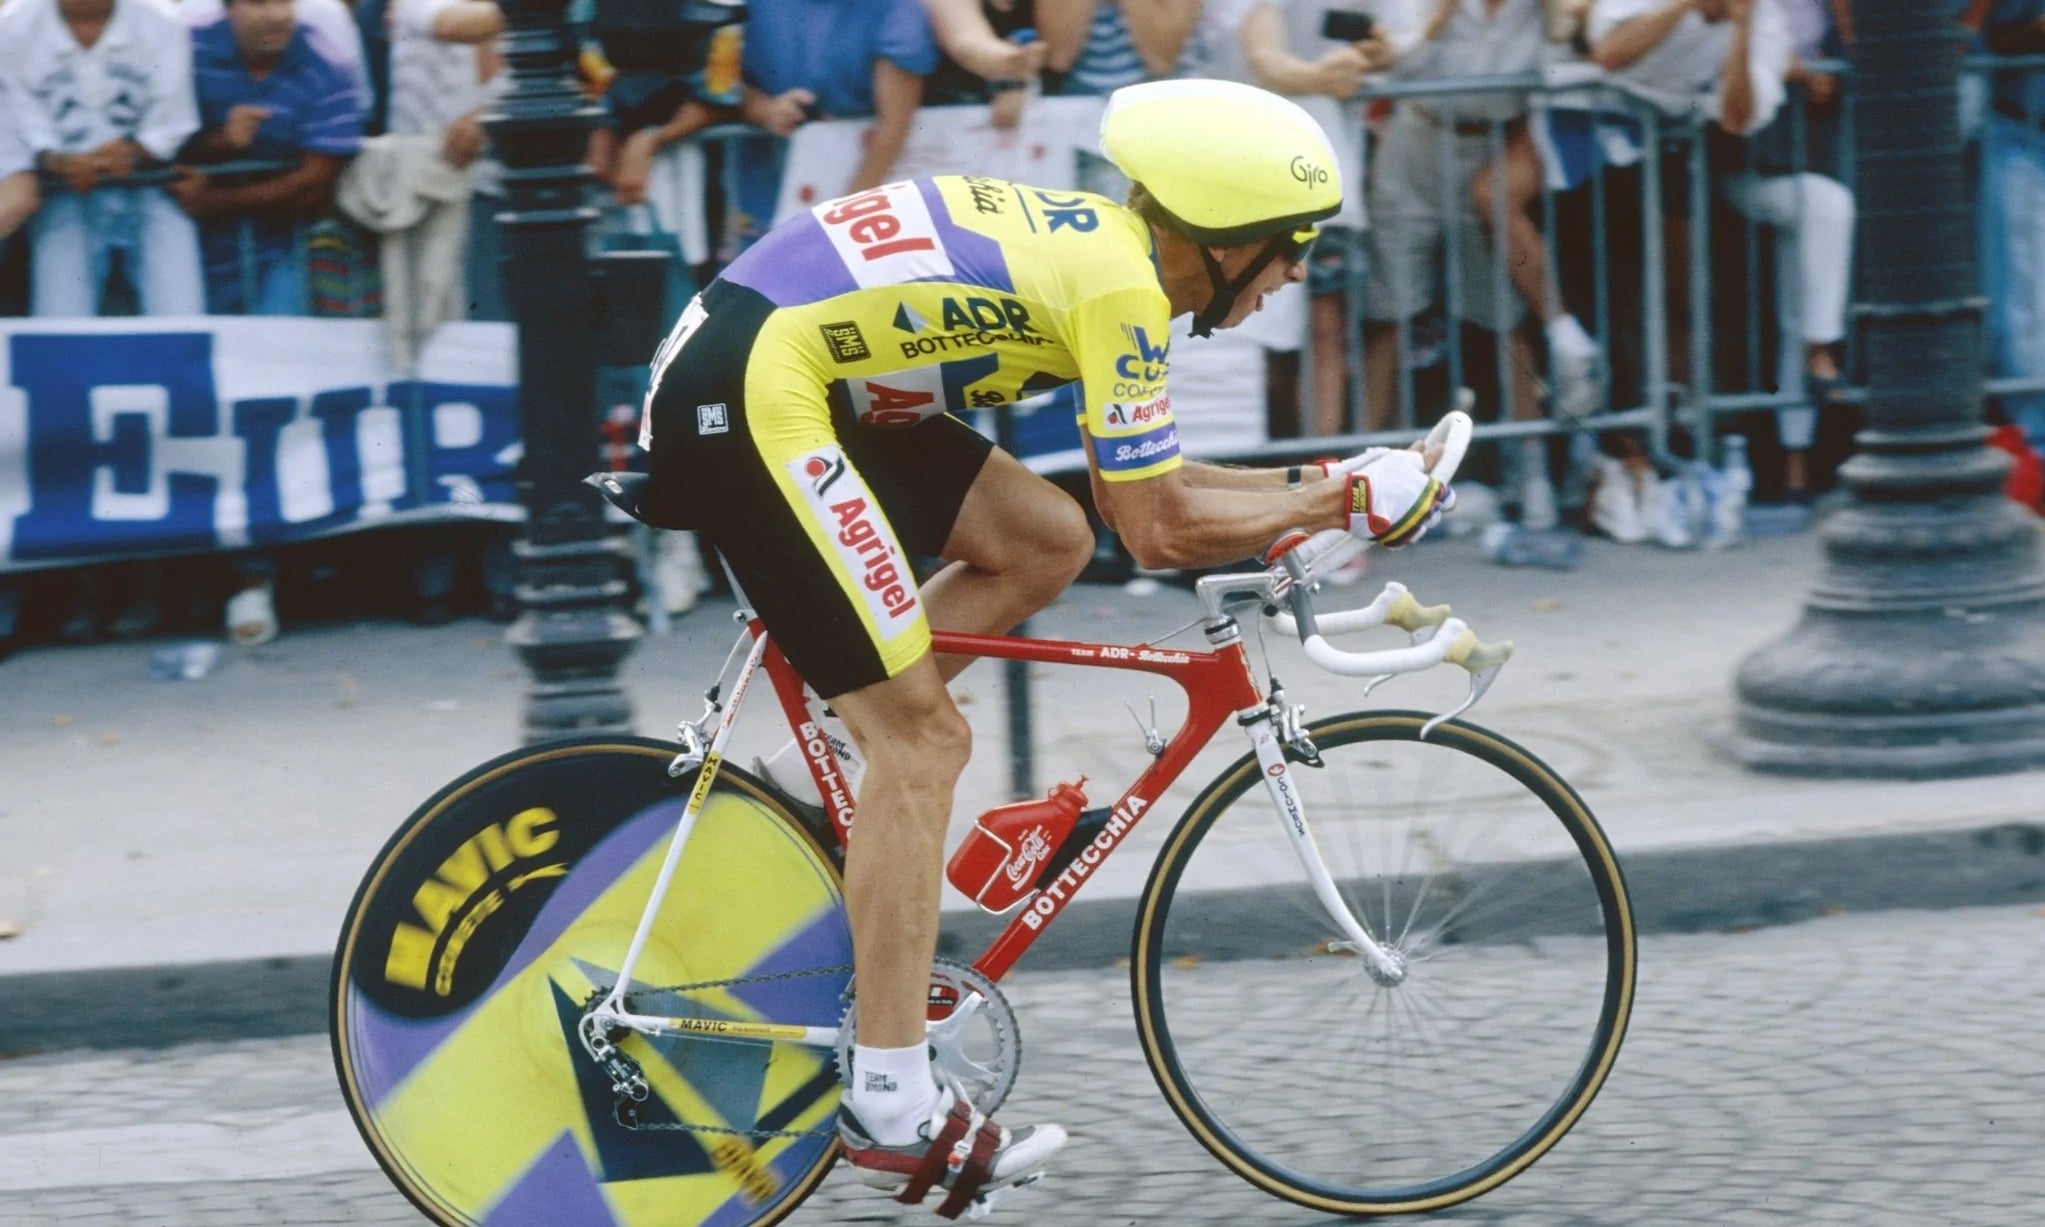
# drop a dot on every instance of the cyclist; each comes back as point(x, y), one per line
point(799, 415)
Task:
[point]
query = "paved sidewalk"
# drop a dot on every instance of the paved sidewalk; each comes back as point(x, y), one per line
point(145, 824)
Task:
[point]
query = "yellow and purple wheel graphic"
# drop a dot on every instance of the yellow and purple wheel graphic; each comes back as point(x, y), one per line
point(489, 922)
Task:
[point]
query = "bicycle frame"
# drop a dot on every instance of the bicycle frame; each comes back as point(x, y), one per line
point(1218, 685)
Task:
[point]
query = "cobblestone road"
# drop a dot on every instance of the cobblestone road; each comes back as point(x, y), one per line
point(1861, 1069)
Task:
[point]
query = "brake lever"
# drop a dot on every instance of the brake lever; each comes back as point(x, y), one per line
point(1484, 661)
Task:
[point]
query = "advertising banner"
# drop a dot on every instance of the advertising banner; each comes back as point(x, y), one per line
point(124, 438)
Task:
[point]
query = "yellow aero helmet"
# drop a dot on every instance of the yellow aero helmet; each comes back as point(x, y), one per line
point(1230, 163)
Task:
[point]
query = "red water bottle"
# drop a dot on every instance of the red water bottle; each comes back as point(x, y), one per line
point(1008, 848)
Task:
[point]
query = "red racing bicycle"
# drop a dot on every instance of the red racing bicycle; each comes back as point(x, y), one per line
point(1382, 963)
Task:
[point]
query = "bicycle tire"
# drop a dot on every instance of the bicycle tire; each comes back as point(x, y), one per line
point(522, 882)
point(1455, 914)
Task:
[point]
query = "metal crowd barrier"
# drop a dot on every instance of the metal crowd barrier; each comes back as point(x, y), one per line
point(1662, 403)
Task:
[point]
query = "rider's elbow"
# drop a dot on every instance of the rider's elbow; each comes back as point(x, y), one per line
point(1158, 546)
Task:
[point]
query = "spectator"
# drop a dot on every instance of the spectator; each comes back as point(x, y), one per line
point(1432, 151)
point(1254, 41)
point(815, 59)
point(675, 67)
point(993, 51)
point(330, 25)
point(2014, 221)
point(416, 184)
point(1134, 40)
point(18, 193)
point(1721, 60)
point(267, 93)
point(102, 87)
point(1812, 216)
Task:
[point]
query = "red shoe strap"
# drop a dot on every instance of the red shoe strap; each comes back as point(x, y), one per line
point(973, 1177)
point(938, 1157)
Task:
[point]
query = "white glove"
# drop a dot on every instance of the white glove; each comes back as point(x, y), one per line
point(1391, 499)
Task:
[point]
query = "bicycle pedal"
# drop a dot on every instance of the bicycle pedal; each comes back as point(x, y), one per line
point(984, 1204)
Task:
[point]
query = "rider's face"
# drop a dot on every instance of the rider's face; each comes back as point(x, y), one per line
point(1274, 274)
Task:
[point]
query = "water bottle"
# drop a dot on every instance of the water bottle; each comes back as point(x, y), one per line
point(1736, 480)
point(1510, 545)
point(1010, 846)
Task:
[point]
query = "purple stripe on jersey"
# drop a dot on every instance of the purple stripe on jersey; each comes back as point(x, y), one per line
point(792, 264)
point(1124, 453)
point(977, 258)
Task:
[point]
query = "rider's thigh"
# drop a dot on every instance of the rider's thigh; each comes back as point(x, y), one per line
point(1015, 521)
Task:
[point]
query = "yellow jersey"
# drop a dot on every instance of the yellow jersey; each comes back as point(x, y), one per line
point(957, 292)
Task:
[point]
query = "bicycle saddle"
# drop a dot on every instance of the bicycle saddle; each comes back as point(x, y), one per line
point(627, 492)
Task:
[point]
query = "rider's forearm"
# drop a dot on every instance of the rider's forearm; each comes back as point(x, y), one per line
point(1206, 476)
point(1172, 522)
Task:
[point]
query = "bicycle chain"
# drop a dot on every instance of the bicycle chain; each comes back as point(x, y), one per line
point(621, 1108)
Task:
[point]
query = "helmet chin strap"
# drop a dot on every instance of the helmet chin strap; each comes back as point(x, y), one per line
point(1226, 292)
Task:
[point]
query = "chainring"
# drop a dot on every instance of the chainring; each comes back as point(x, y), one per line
point(975, 1045)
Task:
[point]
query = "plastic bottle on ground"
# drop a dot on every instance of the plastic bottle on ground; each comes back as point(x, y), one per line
point(1512, 546)
point(1736, 481)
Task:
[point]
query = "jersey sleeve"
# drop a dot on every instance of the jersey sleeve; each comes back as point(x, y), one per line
point(1121, 343)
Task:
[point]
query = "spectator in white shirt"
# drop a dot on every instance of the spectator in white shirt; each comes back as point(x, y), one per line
point(101, 87)
point(1419, 195)
point(18, 194)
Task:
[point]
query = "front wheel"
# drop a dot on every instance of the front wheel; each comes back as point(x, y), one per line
point(1497, 893)
point(495, 914)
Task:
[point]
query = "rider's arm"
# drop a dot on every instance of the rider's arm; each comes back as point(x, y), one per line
point(1162, 508)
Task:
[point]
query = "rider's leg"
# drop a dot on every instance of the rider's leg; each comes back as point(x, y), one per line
point(916, 744)
point(1018, 542)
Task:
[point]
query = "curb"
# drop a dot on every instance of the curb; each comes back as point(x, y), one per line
point(1692, 890)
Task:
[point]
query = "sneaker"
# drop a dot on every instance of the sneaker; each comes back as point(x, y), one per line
point(957, 1149)
point(252, 616)
point(1615, 508)
point(1666, 507)
point(1538, 511)
point(1573, 390)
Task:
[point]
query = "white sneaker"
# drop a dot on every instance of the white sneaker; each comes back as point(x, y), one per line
point(1573, 361)
point(1665, 507)
point(976, 1170)
point(1615, 509)
point(1538, 511)
point(252, 616)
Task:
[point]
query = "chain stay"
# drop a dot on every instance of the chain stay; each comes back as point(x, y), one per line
point(628, 1084)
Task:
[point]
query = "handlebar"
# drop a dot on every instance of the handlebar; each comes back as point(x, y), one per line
point(1436, 636)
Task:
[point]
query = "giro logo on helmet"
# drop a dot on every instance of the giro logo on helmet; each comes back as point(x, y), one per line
point(1307, 172)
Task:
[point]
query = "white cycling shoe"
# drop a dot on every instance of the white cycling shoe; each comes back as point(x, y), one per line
point(975, 1160)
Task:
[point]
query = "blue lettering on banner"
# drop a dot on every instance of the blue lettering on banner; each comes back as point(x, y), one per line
point(130, 450)
point(1122, 453)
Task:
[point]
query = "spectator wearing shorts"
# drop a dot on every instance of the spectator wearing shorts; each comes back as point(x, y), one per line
point(266, 92)
point(1277, 44)
point(1420, 199)
point(99, 88)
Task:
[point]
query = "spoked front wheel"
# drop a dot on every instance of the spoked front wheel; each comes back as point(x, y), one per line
point(1353, 1093)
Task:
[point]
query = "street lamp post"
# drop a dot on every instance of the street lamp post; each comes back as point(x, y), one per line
point(572, 631)
point(1921, 650)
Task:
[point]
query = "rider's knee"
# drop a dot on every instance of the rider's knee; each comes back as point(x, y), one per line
point(930, 736)
point(1068, 542)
